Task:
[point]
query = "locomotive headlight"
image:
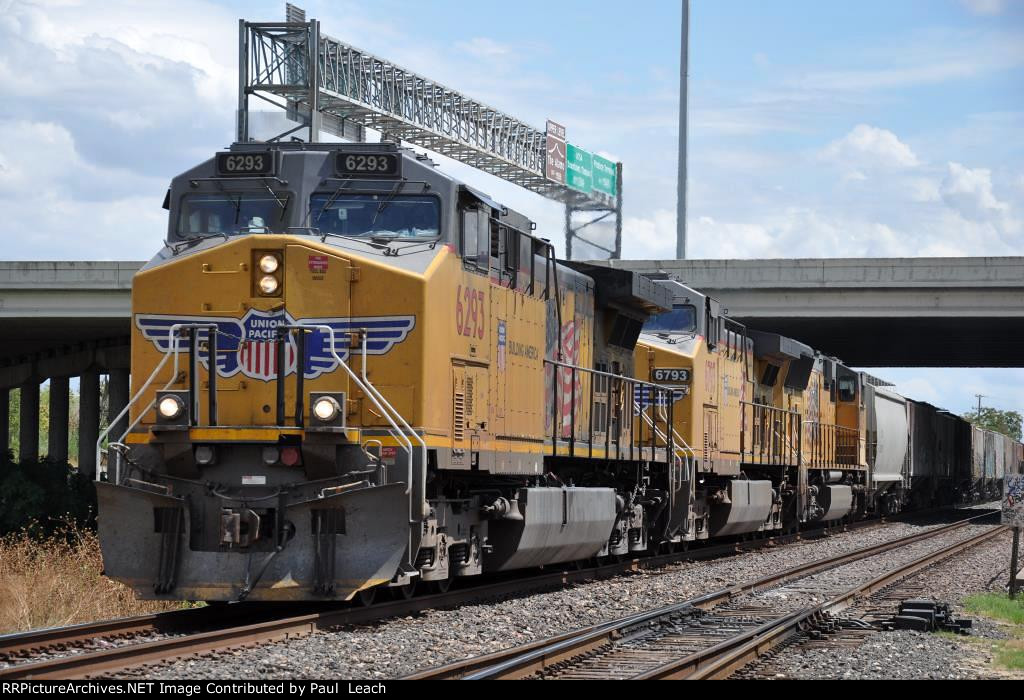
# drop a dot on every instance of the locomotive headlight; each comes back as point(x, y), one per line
point(269, 284)
point(269, 264)
point(171, 407)
point(326, 409)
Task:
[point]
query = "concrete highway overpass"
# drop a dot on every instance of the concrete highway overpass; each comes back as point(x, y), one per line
point(885, 312)
point(61, 320)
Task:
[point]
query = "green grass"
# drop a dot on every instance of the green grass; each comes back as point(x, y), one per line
point(997, 606)
point(1008, 654)
point(1011, 655)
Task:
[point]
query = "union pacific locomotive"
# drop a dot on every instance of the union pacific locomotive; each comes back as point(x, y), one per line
point(352, 372)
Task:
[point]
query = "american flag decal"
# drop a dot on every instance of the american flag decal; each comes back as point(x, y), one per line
point(571, 355)
point(259, 359)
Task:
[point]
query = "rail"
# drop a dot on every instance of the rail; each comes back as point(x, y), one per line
point(527, 660)
point(722, 660)
point(23, 649)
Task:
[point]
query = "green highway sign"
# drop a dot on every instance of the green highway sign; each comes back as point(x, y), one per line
point(603, 175)
point(579, 169)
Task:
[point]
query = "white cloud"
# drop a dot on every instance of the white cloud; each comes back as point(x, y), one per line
point(985, 7)
point(58, 205)
point(930, 56)
point(483, 47)
point(100, 110)
point(954, 388)
point(969, 192)
point(869, 146)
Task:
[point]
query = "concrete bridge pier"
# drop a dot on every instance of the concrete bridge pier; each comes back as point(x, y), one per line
point(88, 421)
point(117, 399)
point(60, 409)
point(28, 423)
point(5, 420)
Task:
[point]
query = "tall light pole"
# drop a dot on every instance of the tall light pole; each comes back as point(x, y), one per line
point(684, 60)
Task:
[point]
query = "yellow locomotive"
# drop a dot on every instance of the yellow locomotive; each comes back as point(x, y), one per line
point(352, 372)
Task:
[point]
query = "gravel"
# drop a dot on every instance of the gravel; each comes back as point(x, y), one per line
point(906, 654)
point(902, 655)
point(396, 647)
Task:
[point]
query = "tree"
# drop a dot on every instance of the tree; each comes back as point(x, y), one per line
point(1005, 422)
point(14, 419)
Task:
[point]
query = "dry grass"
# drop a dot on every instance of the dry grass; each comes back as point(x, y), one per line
point(57, 581)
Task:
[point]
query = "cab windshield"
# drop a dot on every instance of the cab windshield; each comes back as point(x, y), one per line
point(681, 319)
point(230, 213)
point(376, 215)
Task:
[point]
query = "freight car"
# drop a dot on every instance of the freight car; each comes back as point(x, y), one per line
point(352, 372)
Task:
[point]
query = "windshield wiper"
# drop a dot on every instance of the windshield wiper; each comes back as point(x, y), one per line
point(195, 238)
point(676, 337)
point(386, 201)
point(281, 203)
point(333, 198)
point(355, 239)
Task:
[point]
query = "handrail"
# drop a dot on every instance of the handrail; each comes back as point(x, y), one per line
point(632, 382)
point(680, 444)
point(659, 434)
point(687, 461)
point(172, 348)
point(841, 436)
point(413, 433)
point(774, 445)
point(397, 434)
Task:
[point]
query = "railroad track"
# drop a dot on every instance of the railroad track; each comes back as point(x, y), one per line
point(713, 635)
point(110, 646)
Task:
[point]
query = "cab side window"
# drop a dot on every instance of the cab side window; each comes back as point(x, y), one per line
point(525, 279)
point(476, 240)
point(847, 389)
point(712, 329)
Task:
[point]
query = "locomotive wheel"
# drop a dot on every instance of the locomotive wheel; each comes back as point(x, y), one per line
point(367, 596)
point(442, 585)
point(405, 592)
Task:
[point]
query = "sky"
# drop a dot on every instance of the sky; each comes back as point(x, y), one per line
point(873, 128)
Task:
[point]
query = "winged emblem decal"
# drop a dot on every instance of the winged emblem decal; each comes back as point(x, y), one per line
point(246, 345)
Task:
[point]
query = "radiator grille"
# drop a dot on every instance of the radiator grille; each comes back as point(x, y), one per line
point(459, 420)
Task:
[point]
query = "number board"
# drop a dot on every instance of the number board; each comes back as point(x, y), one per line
point(670, 375)
point(258, 163)
point(368, 164)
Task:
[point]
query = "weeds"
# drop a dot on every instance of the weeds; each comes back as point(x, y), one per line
point(57, 580)
point(997, 606)
point(1011, 654)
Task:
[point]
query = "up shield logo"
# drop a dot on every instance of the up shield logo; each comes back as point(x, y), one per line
point(247, 345)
